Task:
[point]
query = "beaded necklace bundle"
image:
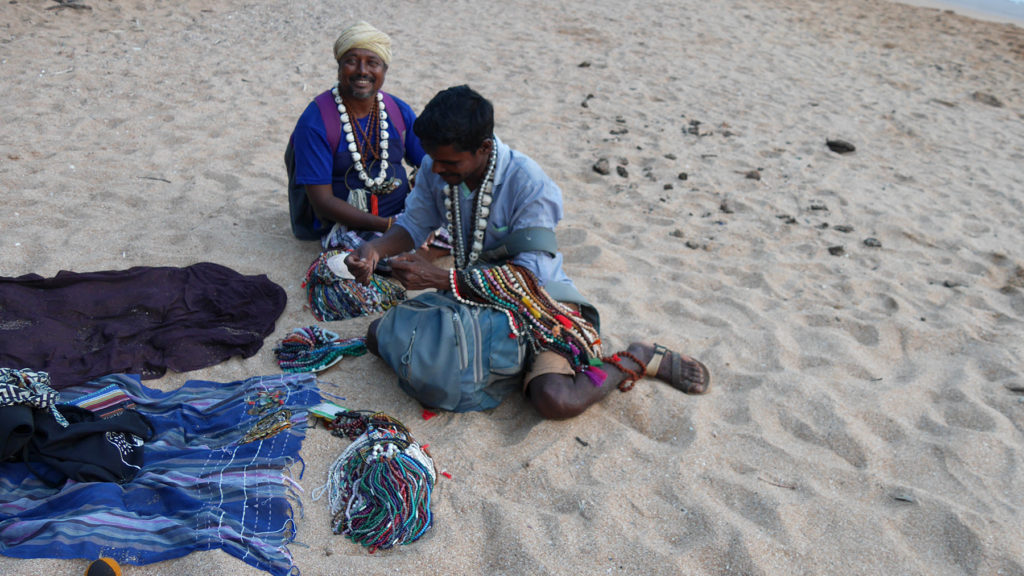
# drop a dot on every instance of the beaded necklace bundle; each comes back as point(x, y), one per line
point(379, 488)
point(371, 144)
point(481, 212)
point(532, 313)
point(313, 349)
point(332, 298)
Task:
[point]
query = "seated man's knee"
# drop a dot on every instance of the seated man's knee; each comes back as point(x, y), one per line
point(551, 395)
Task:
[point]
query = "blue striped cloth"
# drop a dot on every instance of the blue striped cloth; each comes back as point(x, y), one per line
point(216, 476)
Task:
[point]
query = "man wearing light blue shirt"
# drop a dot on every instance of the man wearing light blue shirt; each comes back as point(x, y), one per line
point(501, 209)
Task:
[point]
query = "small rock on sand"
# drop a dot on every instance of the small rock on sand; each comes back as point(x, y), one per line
point(840, 146)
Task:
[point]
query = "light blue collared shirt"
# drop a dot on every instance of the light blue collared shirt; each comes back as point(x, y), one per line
point(523, 197)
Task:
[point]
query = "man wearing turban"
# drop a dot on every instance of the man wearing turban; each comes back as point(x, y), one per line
point(350, 142)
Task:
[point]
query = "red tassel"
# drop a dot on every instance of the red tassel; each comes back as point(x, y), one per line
point(373, 204)
point(427, 414)
point(564, 321)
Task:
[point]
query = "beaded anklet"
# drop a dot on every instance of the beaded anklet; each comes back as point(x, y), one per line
point(631, 375)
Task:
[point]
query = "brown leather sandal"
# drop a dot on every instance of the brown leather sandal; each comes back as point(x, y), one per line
point(676, 379)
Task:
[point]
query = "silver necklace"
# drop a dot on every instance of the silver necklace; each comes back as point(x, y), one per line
point(481, 213)
point(381, 184)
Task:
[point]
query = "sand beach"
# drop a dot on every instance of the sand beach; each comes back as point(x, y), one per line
point(861, 311)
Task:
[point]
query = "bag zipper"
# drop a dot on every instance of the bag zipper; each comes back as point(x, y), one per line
point(407, 357)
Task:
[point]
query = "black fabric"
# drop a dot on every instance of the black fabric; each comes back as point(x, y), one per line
point(89, 449)
point(16, 427)
point(80, 326)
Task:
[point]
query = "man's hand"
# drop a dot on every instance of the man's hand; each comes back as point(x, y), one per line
point(417, 273)
point(362, 262)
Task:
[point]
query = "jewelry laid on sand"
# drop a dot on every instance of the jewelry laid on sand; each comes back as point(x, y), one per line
point(481, 212)
point(379, 488)
point(365, 146)
point(314, 349)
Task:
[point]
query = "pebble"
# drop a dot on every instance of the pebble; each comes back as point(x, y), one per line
point(986, 98)
point(602, 167)
point(872, 243)
point(904, 495)
point(836, 250)
point(840, 146)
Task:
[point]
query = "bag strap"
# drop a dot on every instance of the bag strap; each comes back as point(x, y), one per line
point(533, 239)
point(332, 120)
point(395, 116)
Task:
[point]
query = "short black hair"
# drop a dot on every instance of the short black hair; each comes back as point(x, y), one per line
point(457, 116)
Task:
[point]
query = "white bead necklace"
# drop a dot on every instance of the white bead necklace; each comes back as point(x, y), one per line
point(381, 184)
point(481, 212)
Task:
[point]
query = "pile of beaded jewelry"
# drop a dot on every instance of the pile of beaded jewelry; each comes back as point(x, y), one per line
point(532, 313)
point(481, 211)
point(367, 146)
point(332, 297)
point(379, 488)
point(313, 349)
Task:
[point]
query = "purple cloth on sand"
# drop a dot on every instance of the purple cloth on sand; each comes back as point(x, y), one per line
point(80, 326)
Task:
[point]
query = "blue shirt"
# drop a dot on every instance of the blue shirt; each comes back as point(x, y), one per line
point(523, 196)
point(314, 164)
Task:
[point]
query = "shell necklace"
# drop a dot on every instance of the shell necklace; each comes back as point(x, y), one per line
point(371, 186)
point(481, 212)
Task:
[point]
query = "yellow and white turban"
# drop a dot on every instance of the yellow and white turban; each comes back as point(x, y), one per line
point(363, 35)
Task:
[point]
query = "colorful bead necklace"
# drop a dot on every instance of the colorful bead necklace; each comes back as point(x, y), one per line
point(532, 313)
